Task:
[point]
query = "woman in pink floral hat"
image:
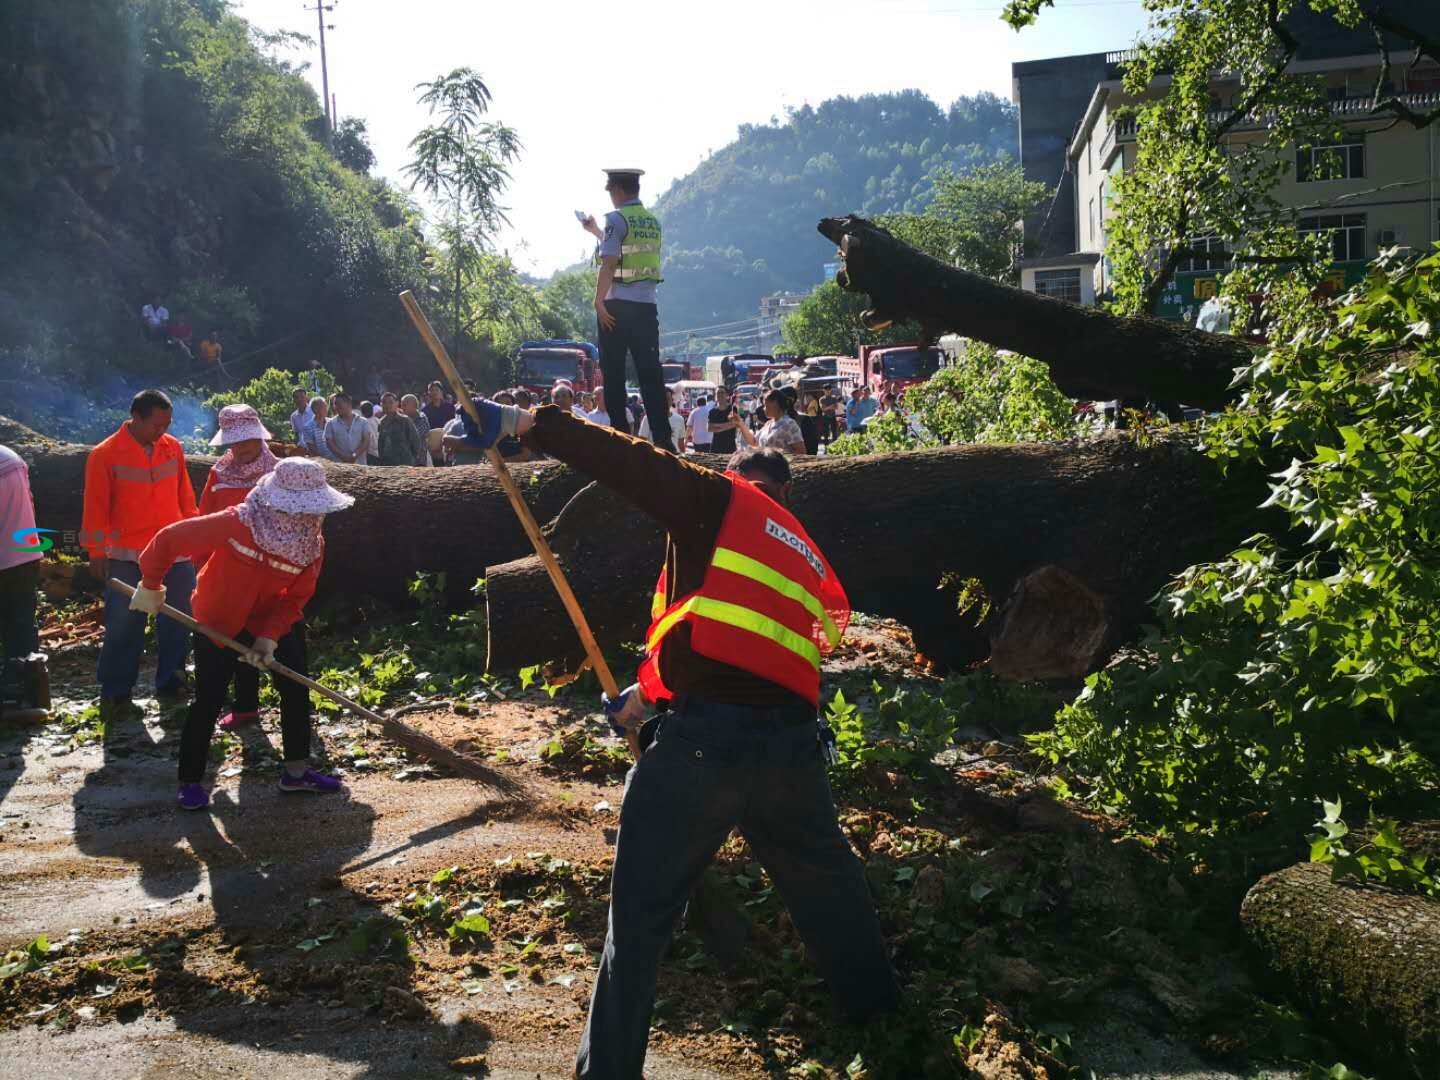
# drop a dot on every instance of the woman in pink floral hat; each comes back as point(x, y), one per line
point(262, 559)
point(247, 457)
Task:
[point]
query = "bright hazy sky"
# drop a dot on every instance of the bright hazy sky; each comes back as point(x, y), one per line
point(696, 71)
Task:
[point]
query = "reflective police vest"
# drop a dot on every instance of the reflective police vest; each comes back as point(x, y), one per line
point(770, 604)
point(640, 250)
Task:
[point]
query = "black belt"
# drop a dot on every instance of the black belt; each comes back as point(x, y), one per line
point(771, 715)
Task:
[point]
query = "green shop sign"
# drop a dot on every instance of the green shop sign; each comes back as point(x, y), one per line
point(1190, 288)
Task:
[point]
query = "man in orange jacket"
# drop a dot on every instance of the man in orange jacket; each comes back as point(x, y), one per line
point(135, 485)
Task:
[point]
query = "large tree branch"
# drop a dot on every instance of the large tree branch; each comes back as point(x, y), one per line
point(1091, 354)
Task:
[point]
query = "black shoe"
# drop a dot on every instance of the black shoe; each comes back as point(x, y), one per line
point(174, 691)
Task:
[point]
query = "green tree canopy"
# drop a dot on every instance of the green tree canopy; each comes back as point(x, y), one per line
point(973, 220)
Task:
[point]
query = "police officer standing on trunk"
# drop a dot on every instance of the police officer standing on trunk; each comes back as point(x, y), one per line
point(629, 258)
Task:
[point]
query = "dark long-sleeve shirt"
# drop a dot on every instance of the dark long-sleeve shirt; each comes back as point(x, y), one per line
point(690, 501)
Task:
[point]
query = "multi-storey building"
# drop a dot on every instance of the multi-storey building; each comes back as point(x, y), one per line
point(1376, 187)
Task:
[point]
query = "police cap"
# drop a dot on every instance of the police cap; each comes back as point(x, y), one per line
point(624, 175)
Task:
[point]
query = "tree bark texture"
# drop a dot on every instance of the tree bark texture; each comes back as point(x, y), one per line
point(1365, 960)
point(1091, 354)
point(404, 519)
point(1120, 518)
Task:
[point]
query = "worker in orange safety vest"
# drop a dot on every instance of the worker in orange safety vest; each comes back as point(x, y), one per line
point(745, 607)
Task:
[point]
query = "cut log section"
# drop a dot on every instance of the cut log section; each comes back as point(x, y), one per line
point(1091, 354)
point(1366, 960)
point(1053, 627)
point(1118, 518)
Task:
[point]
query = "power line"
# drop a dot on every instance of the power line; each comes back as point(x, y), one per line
point(713, 326)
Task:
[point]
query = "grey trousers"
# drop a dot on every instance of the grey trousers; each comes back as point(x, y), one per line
point(713, 768)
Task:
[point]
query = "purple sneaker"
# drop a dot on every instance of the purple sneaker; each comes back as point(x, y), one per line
point(192, 797)
point(309, 780)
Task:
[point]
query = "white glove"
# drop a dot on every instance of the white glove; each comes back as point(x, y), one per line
point(628, 711)
point(147, 600)
point(262, 651)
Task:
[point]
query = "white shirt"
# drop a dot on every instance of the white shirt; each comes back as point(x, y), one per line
point(302, 421)
point(700, 425)
point(602, 417)
point(155, 314)
point(352, 437)
point(677, 429)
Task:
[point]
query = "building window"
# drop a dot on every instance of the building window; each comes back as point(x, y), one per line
point(1061, 284)
point(1102, 213)
point(1092, 223)
point(1208, 254)
point(1344, 160)
point(1347, 234)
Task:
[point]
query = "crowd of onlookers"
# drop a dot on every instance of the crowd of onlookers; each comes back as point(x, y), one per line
point(405, 429)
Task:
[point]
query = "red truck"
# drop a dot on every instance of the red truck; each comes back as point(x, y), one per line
point(539, 364)
point(889, 367)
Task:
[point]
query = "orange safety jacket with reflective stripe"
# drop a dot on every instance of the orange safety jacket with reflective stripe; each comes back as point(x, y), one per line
point(130, 496)
point(770, 604)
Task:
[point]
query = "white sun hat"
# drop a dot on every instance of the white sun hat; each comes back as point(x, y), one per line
point(239, 423)
point(297, 486)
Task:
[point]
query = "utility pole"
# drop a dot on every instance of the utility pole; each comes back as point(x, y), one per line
point(320, 9)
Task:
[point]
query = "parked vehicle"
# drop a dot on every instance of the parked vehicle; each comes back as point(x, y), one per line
point(737, 368)
point(538, 364)
point(890, 367)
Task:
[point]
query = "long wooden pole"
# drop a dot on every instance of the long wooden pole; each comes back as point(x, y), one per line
point(401, 733)
point(522, 510)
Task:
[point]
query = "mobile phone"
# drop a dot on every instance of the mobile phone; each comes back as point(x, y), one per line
point(581, 216)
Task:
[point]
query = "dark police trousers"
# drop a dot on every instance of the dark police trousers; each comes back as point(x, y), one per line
point(714, 767)
point(637, 332)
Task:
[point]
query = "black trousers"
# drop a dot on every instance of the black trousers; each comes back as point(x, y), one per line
point(636, 333)
point(712, 768)
point(214, 667)
point(19, 635)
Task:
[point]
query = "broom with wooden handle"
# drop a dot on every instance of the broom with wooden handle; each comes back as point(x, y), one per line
point(394, 730)
point(522, 510)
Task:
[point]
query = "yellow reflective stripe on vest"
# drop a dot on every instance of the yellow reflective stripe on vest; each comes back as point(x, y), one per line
point(736, 563)
point(625, 275)
point(636, 249)
point(741, 617)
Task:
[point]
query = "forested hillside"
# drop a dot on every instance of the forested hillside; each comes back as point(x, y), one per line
point(743, 223)
point(164, 148)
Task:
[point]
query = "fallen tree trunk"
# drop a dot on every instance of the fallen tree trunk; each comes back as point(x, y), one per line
point(1091, 354)
point(404, 520)
point(1121, 519)
point(1365, 960)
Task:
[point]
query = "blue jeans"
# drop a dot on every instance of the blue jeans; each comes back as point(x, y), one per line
point(711, 768)
point(125, 631)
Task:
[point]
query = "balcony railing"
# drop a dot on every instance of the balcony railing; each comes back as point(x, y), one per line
point(1123, 131)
